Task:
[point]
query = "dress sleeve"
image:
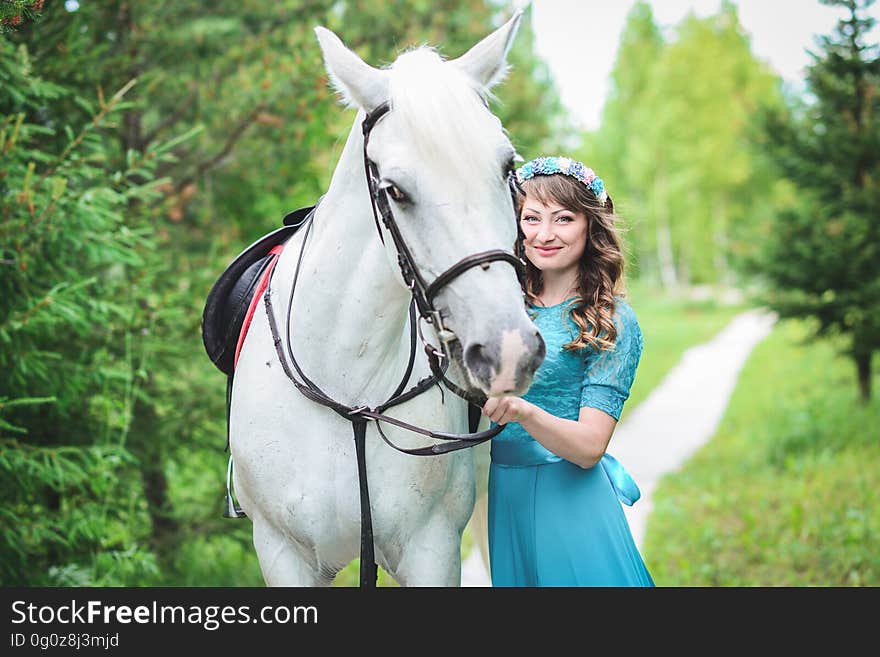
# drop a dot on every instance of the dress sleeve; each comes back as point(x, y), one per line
point(609, 375)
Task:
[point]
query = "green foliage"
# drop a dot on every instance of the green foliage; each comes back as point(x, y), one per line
point(14, 13)
point(350, 576)
point(626, 110)
point(786, 493)
point(221, 558)
point(675, 144)
point(70, 256)
point(819, 255)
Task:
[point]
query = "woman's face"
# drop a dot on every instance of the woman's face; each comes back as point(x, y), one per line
point(555, 237)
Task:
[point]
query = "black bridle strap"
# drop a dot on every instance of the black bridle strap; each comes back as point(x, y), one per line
point(437, 371)
point(442, 448)
point(482, 259)
point(412, 353)
point(369, 168)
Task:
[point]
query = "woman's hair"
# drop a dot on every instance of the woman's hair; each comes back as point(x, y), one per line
point(601, 267)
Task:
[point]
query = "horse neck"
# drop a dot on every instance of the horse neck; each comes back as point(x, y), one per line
point(349, 319)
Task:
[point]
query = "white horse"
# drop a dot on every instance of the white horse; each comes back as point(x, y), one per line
point(442, 159)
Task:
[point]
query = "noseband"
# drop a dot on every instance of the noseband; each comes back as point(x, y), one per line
point(423, 296)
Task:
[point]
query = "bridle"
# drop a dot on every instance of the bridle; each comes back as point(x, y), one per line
point(423, 293)
point(423, 296)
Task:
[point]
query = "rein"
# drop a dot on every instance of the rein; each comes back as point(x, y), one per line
point(309, 389)
point(422, 303)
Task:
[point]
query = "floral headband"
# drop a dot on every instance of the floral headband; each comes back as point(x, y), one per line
point(547, 166)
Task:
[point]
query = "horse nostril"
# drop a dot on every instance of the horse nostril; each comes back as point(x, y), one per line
point(476, 358)
point(539, 353)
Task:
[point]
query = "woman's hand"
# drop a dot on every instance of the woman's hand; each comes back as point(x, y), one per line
point(582, 441)
point(503, 410)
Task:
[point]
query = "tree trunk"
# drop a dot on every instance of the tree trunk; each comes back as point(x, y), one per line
point(665, 254)
point(863, 368)
point(665, 258)
point(720, 238)
point(145, 443)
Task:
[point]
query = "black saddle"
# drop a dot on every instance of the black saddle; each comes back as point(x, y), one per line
point(229, 298)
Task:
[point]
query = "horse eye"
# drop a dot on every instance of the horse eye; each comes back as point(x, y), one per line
point(395, 192)
point(509, 167)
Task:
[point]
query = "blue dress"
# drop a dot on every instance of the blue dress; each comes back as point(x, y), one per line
point(551, 522)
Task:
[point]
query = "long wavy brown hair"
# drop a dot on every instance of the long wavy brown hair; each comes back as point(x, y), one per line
point(601, 268)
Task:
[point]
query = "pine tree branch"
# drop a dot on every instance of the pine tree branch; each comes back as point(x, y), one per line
point(173, 117)
point(99, 118)
point(212, 162)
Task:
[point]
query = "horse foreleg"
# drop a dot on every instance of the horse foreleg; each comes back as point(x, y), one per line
point(432, 557)
point(280, 561)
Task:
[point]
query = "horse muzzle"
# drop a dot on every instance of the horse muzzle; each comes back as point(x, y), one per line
point(504, 365)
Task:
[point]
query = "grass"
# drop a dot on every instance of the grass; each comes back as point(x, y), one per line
point(787, 493)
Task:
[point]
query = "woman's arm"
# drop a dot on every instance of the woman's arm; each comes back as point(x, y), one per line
point(582, 441)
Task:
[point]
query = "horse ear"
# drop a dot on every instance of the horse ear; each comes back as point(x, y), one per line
point(356, 81)
point(486, 62)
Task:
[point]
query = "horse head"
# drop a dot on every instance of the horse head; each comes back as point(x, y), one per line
point(440, 161)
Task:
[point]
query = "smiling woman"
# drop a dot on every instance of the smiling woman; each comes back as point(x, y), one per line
point(554, 239)
point(561, 222)
point(554, 493)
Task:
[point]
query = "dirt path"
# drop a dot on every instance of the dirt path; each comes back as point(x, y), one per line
point(677, 418)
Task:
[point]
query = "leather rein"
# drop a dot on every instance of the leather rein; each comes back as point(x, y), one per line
point(423, 295)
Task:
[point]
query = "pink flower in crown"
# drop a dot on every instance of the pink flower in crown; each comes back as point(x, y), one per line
point(589, 175)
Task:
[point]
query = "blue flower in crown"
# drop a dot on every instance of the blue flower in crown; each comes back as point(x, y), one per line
point(547, 166)
point(526, 171)
point(578, 170)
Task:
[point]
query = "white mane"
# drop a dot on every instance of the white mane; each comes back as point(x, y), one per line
point(443, 115)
